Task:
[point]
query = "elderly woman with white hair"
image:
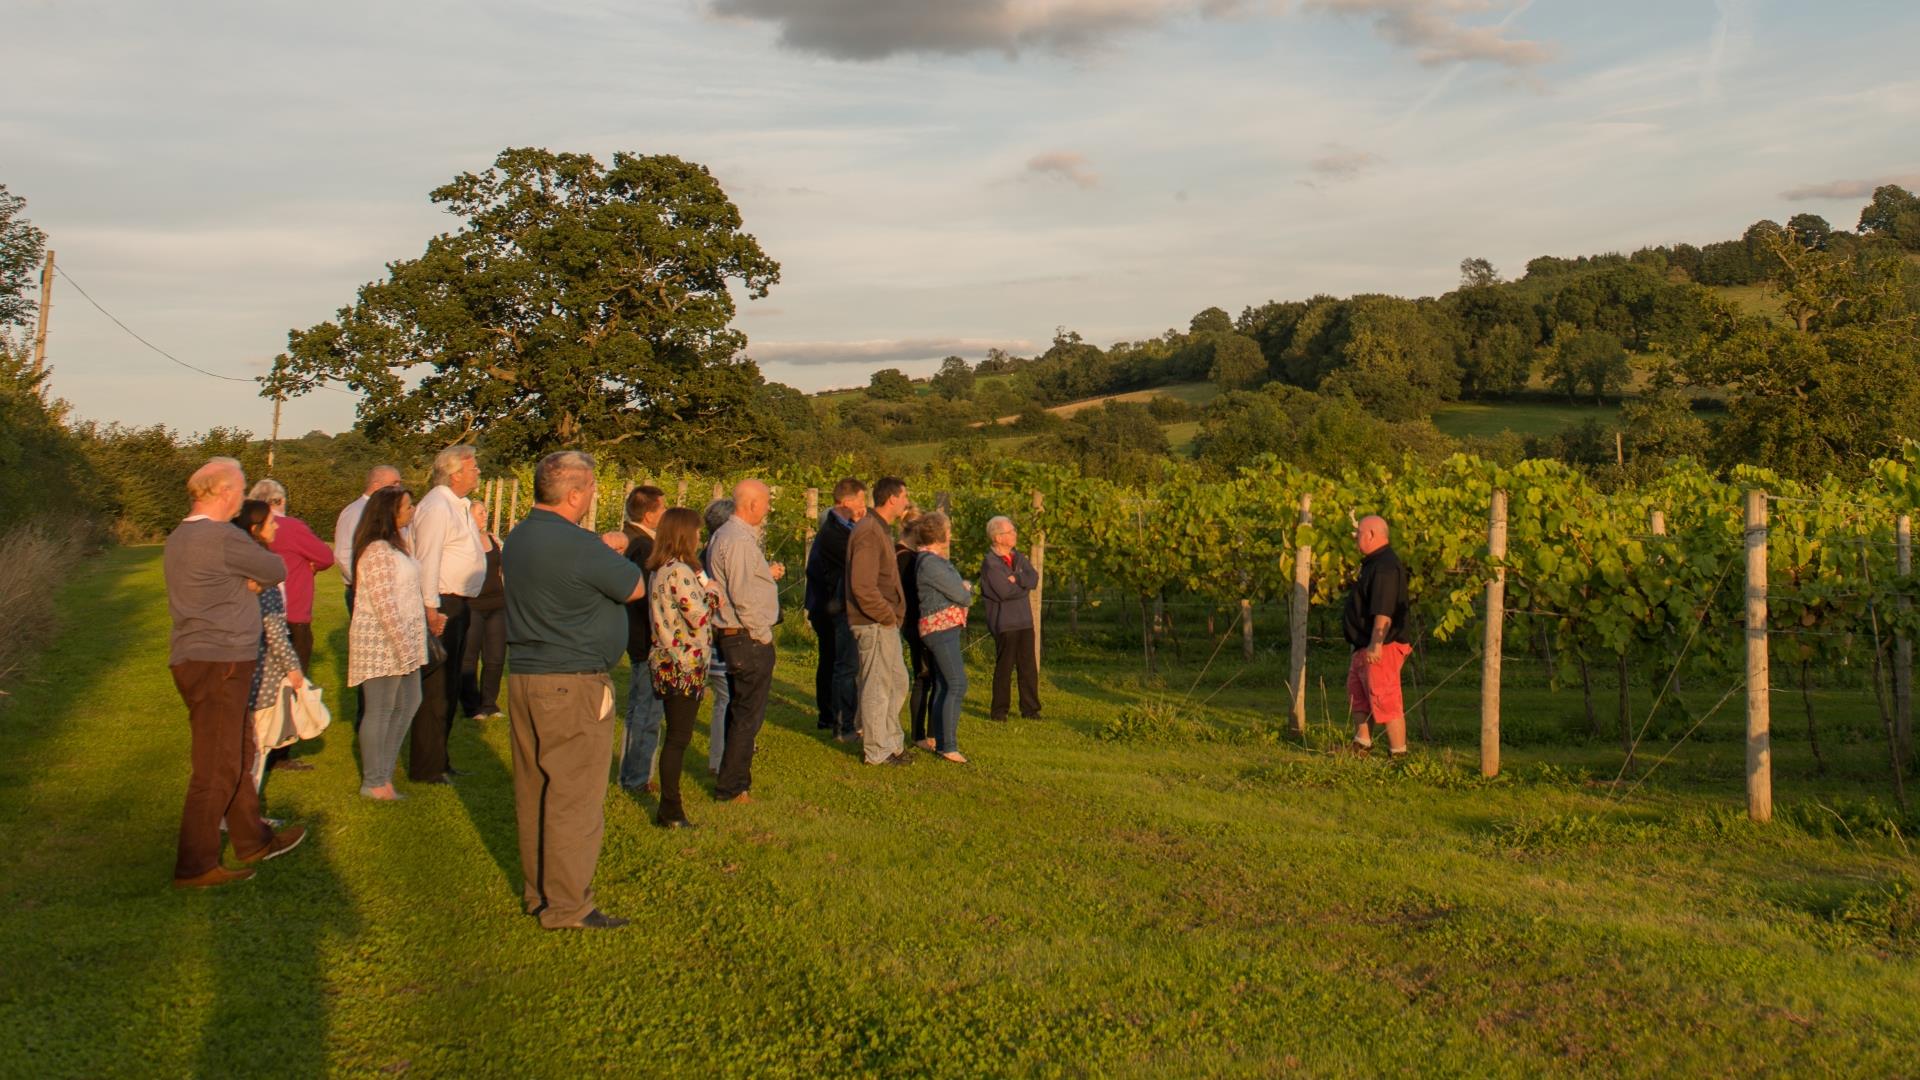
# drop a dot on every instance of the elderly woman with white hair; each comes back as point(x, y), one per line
point(1007, 580)
point(305, 556)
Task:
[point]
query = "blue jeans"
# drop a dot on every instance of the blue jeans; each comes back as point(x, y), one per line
point(643, 728)
point(717, 728)
point(949, 688)
point(391, 701)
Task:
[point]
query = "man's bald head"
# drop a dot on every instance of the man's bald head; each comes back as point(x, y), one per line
point(1370, 533)
point(381, 476)
point(217, 488)
point(750, 501)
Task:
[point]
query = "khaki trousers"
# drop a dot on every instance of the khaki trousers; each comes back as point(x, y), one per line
point(562, 750)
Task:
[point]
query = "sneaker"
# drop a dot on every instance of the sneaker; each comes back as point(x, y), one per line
point(283, 841)
point(291, 765)
point(901, 758)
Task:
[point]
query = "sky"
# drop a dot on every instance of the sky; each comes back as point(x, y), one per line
point(934, 176)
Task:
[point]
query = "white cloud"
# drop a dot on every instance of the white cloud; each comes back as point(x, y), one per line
point(1849, 189)
point(877, 352)
point(1064, 165)
point(1434, 31)
point(876, 29)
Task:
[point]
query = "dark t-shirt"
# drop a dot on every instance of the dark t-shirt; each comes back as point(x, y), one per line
point(566, 597)
point(1379, 589)
point(640, 612)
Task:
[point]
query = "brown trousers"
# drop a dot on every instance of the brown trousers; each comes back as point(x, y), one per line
point(562, 751)
point(221, 785)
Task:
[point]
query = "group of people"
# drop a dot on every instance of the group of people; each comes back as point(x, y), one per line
point(691, 599)
point(436, 602)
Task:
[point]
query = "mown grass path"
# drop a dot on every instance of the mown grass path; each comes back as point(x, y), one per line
point(1064, 906)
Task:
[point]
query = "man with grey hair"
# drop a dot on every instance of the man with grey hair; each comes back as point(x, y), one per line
point(567, 593)
point(1007, 581)
point(743, 627)
point(213, 571)
point(453, 568)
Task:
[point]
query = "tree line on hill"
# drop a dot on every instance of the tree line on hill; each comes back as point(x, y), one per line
point(582, 304)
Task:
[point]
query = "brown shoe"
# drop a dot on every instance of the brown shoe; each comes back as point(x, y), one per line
point(213, 878)
point(283, 841)
point(742, 799)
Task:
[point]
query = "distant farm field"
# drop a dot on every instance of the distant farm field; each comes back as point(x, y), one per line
point(1463, 418)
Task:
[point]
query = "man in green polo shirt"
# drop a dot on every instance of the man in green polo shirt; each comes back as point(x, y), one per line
point(566, 627)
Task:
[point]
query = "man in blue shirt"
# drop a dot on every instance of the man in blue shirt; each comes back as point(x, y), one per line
point(566, 628)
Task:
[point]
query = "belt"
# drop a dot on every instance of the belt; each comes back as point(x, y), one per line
point(729, 631)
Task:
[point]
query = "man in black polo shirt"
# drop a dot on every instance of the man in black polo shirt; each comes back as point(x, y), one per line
point(1375, 623)
point(566, 627)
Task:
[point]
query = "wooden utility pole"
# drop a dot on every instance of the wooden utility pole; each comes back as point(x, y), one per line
point(1903, 647)
point(46, 312)
point(1495, 638)
point(1297, 624)
point(1038, 556)
point(1759, 715)
point(273, 440)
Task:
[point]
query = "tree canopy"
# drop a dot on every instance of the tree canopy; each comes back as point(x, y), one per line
point(578, 305)
point(21, 248)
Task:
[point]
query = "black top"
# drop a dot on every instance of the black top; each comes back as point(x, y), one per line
point(906, 559)
point(639, 617)
point(827, 566)
point(493, 594)
point(1379, 589)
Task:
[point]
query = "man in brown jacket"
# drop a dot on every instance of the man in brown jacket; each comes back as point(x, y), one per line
point(875, 606)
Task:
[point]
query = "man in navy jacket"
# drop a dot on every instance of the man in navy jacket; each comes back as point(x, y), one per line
point(836, 677)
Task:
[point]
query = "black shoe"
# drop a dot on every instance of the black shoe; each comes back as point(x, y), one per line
point(677, 823)
point(291, 765)
point(998, 719)
point(451, 771)
point(901, 758)
point(441, 779)
point(600, 920)
point(823, 725)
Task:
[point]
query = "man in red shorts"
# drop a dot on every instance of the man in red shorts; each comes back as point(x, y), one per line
point(1375, 622)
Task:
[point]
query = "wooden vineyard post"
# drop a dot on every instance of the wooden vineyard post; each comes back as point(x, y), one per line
point(680, 493)
point(719, 492)
point(593, 511)
point(1246, 630)
point(1495, 638)
point(1038, 556)
point(513, 514)
point(813, 524)
point(943, 502)
point(1903, 648)
point(1759, 718)
point(496, 490)
point(1297, 624)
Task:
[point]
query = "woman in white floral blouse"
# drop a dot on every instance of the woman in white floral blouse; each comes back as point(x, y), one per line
point(680, 601)
point(387, 639)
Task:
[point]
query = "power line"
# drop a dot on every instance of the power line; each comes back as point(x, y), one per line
point(62, 271)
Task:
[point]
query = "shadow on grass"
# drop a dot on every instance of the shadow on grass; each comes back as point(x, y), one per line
point(224, 982)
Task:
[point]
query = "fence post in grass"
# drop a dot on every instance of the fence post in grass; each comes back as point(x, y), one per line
point(813, 523)
point(513, 515)
point(1903, 647)
point(1246, 630)
point(593, 511)
point(1495, 637)
point(1297, 624)
point(680, 493)
point(943, 502)
point(1038, 556)
point(1759, 717)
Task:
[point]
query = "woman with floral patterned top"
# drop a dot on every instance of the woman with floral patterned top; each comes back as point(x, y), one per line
point(387, 638)
point(279, 663)
point(680, 601)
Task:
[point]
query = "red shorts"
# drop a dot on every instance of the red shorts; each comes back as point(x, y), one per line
point(1373, 690)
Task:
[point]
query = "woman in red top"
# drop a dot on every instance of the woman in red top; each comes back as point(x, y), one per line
point(305, 556)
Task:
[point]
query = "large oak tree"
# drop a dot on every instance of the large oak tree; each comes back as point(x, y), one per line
point(578, 305)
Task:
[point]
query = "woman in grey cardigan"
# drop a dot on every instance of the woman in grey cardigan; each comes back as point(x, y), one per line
point(944, 599)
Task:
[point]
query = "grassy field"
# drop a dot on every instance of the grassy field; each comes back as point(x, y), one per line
point(1115, 890)
point(1464, 418)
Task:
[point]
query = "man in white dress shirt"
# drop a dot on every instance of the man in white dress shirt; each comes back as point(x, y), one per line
point(349, 520)
point(453, 567)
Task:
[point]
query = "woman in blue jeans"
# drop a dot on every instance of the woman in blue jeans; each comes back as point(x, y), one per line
point(944, 598)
